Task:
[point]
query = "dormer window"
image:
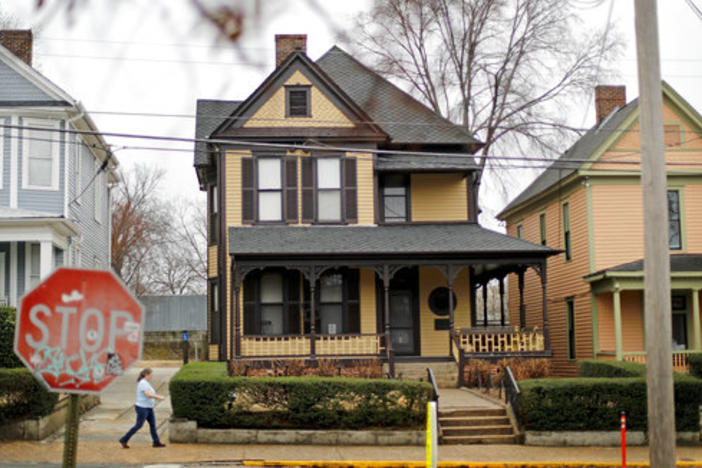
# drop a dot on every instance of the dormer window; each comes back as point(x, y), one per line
point(297, 101)
point(40, 154)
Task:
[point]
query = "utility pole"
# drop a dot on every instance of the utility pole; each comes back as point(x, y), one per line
point(659, 372)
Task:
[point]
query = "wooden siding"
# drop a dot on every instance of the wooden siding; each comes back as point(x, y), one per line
point(323, 112)
point(692, 199)
point(436, 342)
point(439, 197)
point(365, 189)
point(211, 261)
point(605, 322)
point(564, 278)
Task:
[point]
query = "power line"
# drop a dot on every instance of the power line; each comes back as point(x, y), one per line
point(155, 60)
point(694, 8)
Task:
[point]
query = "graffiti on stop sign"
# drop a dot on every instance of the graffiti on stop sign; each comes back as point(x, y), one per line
point(83, 366)
point(78, 330)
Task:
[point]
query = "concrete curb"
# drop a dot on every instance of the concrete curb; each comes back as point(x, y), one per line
point(186, 432)
point(384, 464)
point(598, 438)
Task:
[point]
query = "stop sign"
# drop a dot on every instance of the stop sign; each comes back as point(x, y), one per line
point(78, 330)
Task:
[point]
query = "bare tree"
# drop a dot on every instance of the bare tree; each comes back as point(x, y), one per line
point(505, 69)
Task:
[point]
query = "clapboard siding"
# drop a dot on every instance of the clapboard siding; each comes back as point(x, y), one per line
point(438, 197)
point(5, 155)
point(17, 88)
point(693, 217)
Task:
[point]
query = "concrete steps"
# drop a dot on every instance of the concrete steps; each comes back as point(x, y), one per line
point(476, 426)
point(445, 372)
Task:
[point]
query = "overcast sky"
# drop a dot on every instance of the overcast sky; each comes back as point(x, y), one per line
point(158, 56)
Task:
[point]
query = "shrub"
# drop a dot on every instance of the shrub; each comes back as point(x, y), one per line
point(695, 361)
point(592, 368)
point(594, 404)
point(204, 393)
point(522, 369)
point(363, 368)
point(8, 358)
point(22, 396)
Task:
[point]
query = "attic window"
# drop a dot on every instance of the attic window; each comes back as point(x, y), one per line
point(297, 101)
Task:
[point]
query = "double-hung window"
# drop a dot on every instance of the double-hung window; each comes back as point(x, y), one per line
point(328, 190)
point(395, 198)
point(272, 304)
point(674, 230)
point(570, 324)
point(270, 189)
point(40, 155)
point(542, 228)
point(520, 231)
point(215, 326)
point(33, 265)
point(213, 204)
point(330, 303)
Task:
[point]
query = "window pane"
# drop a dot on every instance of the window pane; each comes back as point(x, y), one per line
point(39, 144)
point(328, 173)
point(679, 332)
point(35, 253)
point(39, 172)
point(331, 318)
point(270, 207)
point(395, 209)
point(674, 240)
point(272, 320)
point(331, 288)
point(269, 173)
point(329, 205)
point(271, 288)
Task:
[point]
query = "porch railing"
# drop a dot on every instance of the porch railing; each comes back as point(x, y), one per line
point(272, 346)
point(501, 340)
point(680, 362)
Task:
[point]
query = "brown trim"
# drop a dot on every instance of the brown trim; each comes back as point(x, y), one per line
point(415, 223)
point(308, 106)
point(376, 198)
point(222, 253)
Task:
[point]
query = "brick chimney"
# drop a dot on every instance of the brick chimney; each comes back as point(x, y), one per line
point(286, 44)
point(608, 98)
point(19, 42)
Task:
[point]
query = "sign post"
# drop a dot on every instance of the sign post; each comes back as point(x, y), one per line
point(432, 438)
point(77, 331)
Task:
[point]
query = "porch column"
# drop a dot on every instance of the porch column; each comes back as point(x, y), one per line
point(46, 250)
point(237, 279)
point(522, 309)
point(696, 318)
point(388, 339)
point(502, 301)
point(544, 306)
point(313, 316)
point(13, 274)
point(619, 350)
point(485, 305)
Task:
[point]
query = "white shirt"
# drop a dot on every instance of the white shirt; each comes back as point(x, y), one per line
point(141, 399)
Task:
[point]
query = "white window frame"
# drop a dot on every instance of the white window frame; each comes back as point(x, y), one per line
point(2, 157)
point(2, 279)
point(50, 125)
point(28, 265)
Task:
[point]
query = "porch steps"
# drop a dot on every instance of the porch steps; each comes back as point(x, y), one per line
point(476, 426)
point(445, 372)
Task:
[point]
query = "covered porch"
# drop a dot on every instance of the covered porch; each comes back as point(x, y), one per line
point(385, 291)
point(618, 310)
point(32, 244)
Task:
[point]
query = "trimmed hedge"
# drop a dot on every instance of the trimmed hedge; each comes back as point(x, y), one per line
point(8, 358)
point(22, 396)
point(592, 368)
point(202, 392)
point(594, 404)
point(695, 361)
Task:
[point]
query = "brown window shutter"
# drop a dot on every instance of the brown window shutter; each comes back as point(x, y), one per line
point(307, 190)
point(350, 197)
point(291, 190)
point(352, 317)
point(248, 193)
point(292, 304)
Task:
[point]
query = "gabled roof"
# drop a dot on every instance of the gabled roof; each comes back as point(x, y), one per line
point(592, 141)
point(298, 61)
point(581, 149)
point(401, 116)
point(209, 115)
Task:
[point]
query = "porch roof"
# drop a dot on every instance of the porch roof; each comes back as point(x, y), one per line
point(432, 163)
point(679, 264)
point(463, 241)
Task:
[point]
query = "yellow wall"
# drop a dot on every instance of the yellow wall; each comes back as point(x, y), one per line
point(436, 342)
point(439, 197)
point(211, 261)
point(369, 322)
point(323, 112)
point(564, 278)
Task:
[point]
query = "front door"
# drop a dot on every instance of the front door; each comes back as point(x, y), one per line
point(402, 323)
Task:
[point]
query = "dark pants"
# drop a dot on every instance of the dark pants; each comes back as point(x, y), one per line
point(143, 414)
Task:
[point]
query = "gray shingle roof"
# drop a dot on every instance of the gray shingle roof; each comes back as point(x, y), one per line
point(459, 239)
point(678, 263)
point(582, 149)
point(402, 117)
point(208, 115)
point(400, 162)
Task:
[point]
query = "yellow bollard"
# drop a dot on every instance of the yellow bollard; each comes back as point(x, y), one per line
point(432, 435)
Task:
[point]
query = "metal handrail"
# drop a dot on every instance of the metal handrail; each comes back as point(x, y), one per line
point(512, 392)
point(435, 395)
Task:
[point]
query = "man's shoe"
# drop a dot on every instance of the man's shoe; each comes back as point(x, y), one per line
point(159, 445)
point(124, 444)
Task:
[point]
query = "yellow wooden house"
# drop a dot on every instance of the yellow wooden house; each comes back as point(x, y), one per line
point(589, 205)
point(343, 224)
